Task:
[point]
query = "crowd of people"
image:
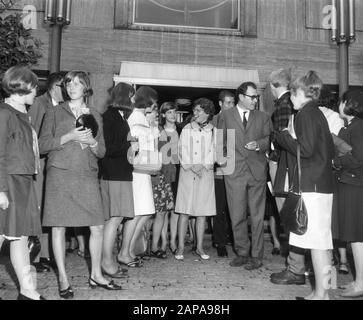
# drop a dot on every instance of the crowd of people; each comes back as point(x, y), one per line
point(134, 171)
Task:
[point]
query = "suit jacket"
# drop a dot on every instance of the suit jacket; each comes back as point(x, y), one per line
point(317, 149)
point(16, 144)
point(116, 165)
point(38, 109)
point(69, 156)
point(352, 163)
point(259, 128)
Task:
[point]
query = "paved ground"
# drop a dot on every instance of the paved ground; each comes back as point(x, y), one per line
point(174, 280)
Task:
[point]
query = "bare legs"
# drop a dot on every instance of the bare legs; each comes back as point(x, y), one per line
point(158, 226)
point(357, 248)
point(322, 271)
point(58, 241)
point(141, 220)
point(198, 234)
point(19, 255)
point(273, 229)
point(109, 236)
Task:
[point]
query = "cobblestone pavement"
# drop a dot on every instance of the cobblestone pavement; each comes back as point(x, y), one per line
point(170, 279)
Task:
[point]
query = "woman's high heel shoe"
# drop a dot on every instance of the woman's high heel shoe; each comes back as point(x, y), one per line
point(108, 286)
point(22, 297)
point(66, 293)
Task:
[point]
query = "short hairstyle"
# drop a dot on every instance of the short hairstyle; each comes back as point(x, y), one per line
point(242, 89)
point(53, 78)
point(83, 79)
point(166, 106)
point(121, 96)
point(353, 103)
point(207, 105)
point(327, 98)
point(310, 84)
point(223, 94)
point(280, 78)
point(144, 97)
point(19, 80)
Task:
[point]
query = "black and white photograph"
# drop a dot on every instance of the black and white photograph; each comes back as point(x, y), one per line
point(181, 156)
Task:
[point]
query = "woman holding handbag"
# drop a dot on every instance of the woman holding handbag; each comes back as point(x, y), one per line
point(317, 151)
point(143, 141)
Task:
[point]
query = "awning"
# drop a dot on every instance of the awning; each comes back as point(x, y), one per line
point(182, 75)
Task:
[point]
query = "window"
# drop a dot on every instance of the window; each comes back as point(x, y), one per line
point(216, 14)
point(230, 17)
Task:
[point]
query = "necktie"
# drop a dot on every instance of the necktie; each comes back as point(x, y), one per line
point(244, 120)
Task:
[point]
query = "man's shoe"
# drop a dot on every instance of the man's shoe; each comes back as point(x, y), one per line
point(48, 262)
point(253, 264)
point(222, 251)
point(287, 277)
point(239, 261)
point(40, 267)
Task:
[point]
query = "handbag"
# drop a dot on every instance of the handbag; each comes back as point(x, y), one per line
point(147, 161)
point(293, 214)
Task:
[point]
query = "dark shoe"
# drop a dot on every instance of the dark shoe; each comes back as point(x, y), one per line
point(48, 262)
point(275, 251)
point(239, 261)
point(108, 286)
point(253, 264)
point(22, 297)
point(300, 298)
point(343, 268)
point(287, 277)
point(160, 254)
point(136, 263)
point(222, 251)
point(66, 293)
point(120, 273)
point(41, 267)
point(173, 251)
point(144, 256)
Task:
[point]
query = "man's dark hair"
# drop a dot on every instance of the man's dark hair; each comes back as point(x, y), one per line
point(223, 94)
point(242, 89)
point(53, 78)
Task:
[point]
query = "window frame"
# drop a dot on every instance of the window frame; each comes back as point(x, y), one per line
point(124, 10)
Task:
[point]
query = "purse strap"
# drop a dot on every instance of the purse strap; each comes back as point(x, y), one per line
point(298, 168)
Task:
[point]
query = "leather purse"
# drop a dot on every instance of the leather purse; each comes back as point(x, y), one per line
point(88, 121)
point(293, 214)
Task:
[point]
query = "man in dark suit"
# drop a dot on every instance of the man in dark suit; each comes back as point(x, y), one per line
point(246, 185)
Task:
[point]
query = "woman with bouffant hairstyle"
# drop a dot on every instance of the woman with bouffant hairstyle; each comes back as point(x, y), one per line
point(317, 151)
point(19, 161)
point(72, 196)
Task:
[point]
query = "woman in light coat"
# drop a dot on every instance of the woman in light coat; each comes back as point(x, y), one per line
point(196, 196)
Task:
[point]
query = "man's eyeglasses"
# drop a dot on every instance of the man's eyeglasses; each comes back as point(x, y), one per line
point(252, 97)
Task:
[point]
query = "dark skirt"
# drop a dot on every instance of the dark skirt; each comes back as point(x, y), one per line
point(22, 217)
point(72, 199)
point(348, 217)
point(163, 194)
point(117, 199)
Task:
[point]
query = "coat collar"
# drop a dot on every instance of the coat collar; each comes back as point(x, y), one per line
point(195, 126)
